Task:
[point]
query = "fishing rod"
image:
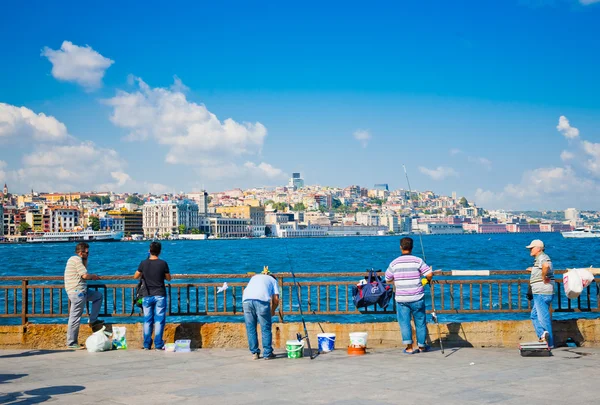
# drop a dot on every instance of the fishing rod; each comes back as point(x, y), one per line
point(299, 335)
point(433, 314)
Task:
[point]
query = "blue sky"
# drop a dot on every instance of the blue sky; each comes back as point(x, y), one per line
point(175, 97)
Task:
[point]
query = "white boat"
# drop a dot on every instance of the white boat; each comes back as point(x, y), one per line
point(582, 233)
point(87, 235)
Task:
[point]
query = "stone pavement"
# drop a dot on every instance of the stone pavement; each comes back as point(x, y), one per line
point(229, 376)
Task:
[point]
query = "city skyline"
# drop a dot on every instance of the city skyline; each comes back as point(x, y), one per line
point(496, 102)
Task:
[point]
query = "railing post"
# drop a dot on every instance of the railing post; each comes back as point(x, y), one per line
point(24, 301)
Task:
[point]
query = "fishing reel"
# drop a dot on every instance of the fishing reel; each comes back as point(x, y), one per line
point(300, 337)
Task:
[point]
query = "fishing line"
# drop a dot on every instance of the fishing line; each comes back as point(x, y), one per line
point(299, 335)
point(433, 314)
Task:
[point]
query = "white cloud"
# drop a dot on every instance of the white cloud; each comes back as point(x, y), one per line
point(363, 136)
point(439, 173)
point(486, 163)
point(2, 172)
point(190, 133)
point(77, 167)
point(565, 155)
point(22, 123)
point(455, 151)
point(78, 64)
point(565, 128)
point(588, 2)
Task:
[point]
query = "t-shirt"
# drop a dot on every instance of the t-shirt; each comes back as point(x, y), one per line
point(73, 275)
point(537, 284)
point(406, 272)
point(153, 272)
point(261, 287)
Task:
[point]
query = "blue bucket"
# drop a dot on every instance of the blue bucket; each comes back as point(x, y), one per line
point(326, 342)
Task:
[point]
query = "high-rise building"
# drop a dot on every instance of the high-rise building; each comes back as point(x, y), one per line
point(571, 214)
point(201, 198)
point(382, 186)
point(296, 181)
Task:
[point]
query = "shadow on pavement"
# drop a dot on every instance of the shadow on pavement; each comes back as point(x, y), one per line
point(7, 377)
point(38, 395)
point(33, 353)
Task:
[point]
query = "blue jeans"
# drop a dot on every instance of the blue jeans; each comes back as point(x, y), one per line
point(540, 316)
point(258, 311)
point(404, 310)
point(155, 314)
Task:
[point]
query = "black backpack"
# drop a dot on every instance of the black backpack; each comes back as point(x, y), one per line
point(138, 298)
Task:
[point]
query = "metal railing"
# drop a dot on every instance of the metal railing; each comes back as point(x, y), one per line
point(195, 295)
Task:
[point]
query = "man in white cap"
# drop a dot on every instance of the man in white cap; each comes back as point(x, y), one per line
point(542, 287)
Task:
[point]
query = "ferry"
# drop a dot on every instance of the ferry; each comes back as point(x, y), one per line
point(582, 233)
point(87, 235)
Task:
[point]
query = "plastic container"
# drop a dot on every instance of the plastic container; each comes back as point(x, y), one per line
point(358, 339)
point(356, 350)
point(294, 349)
point(182, 346)
point(169, 347)
point(326, 342)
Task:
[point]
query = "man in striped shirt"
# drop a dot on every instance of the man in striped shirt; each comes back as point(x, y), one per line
point(406, 272)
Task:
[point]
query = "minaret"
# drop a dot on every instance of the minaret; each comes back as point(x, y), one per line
point(5, 190)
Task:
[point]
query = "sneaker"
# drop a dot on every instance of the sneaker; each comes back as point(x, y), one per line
point(270, 356)
point(255, 356)
point(146, 348)
point(161, 349)
point(75, 346)
point(544, 337)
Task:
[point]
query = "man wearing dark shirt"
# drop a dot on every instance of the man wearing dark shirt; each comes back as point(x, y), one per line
point(154, 272)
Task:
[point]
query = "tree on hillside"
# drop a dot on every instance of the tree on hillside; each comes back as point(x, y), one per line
point(300, 207)
point(95, 223)
point(181, 228)
point(134, 199)
point(336, 203)
point(463, 202)
point(24, 227)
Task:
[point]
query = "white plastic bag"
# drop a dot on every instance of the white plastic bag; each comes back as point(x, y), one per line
point(119, 337)
point(98, 341)
point(575, 280)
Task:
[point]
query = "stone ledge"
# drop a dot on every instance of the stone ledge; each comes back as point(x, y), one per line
point(585, 332)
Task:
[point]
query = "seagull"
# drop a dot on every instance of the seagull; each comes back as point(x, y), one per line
point(223, 288)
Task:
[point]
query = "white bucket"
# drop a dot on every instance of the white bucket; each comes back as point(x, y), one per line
point(358, 339)
point(326, 342)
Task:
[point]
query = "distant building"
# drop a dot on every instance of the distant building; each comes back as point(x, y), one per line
point(443, 228)
point(256, 214)
point(2, 218)
point(133, 221)
point(63, 219)
point(201, 198)
point(383, 187)
point(222, 227)
point(572, 215)
point(296, 182)
point(391, 222)
point(370, 218)
point(165, 217)
point(113, 224)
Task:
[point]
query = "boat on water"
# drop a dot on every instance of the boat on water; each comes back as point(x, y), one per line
point(582, 233)
point(87, 235)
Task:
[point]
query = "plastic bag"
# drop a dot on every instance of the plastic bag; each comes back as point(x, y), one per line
point(575, 280)
point(98, 341)
point(119, 337)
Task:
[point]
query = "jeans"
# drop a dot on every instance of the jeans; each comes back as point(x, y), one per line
point(155, 314)
point(78, 303)
point(258, 311)
point(404, 310)
point(540, 316)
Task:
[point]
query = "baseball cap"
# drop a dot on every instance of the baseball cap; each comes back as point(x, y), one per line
point(535, 243)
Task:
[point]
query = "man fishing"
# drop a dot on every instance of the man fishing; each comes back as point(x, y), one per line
point(542, 288)
point(406, 272)
point(260, 300)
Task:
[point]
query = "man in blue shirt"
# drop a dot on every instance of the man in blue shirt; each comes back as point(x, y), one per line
point(260, 300)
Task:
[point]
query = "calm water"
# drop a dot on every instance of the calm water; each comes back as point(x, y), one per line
point(329, 255)
point(325, 255)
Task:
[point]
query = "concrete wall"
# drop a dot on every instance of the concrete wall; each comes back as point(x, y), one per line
point(586, 332)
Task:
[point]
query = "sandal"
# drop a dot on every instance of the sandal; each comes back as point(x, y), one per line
point(425, 348)
point(415, 351)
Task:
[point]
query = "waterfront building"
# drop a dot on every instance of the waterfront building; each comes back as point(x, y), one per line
point(10, 220)
point(273, 218)
point(556, 227)
point(133, 221)
point(391, 222)
point(109, 223)
point(370, 218)
point(64, 219)
point(487, 227)
point(441, 228)
point(355, 230)
point(523, 228)
point(165, 217)
point(222, 227)
point(256, 214)
point(37, 219)
point(2, 217)
point(293, 230)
